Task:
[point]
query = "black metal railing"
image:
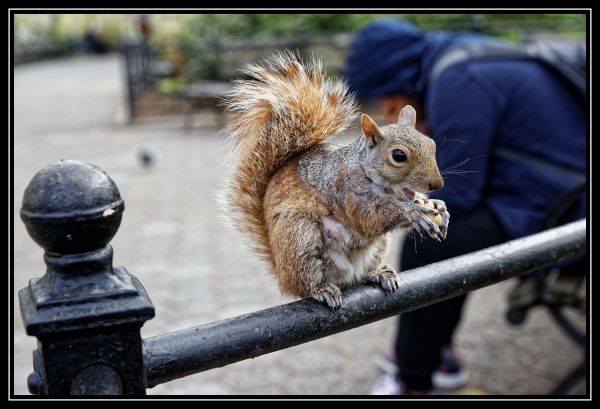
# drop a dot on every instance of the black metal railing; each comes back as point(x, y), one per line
point(87, 314)
point(143, 68)
point(137, 71)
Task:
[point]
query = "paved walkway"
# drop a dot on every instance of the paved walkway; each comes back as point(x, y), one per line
point(172, 239)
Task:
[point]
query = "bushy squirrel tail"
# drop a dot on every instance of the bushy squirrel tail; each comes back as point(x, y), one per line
point(286, 107)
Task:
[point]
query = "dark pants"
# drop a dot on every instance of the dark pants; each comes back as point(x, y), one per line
point(423, 333)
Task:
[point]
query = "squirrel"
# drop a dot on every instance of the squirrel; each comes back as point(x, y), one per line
point(318, 213)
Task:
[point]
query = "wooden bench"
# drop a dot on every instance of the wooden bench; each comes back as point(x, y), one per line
point(204, 94)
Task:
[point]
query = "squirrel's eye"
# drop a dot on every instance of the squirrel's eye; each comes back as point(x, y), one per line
point(399, 155)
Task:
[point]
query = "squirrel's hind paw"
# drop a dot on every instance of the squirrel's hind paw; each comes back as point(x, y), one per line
point(386, 277)
point(328, 294)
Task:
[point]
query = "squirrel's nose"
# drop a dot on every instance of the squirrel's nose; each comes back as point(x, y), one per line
point(436, 184)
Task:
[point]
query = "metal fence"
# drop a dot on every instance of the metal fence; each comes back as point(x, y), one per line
point(143, 68)
point(87, 314)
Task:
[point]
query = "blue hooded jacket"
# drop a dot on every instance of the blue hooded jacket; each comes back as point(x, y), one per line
point(476, 109)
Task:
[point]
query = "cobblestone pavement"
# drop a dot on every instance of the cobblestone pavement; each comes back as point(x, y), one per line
point(173, 240)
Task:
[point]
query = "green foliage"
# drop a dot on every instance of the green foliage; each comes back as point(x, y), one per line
point(172, 85)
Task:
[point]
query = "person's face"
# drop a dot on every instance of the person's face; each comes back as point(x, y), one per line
point(392, 105)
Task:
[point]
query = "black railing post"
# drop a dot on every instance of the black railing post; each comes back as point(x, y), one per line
point(85, 313)
point(129, 60)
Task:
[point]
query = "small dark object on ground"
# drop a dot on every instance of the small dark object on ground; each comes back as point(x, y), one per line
point(146, 158)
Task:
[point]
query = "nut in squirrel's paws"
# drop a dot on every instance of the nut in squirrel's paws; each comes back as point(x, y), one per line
point(434, 222)
point(435, 217)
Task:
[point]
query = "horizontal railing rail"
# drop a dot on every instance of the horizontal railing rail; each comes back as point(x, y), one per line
point(181, 353)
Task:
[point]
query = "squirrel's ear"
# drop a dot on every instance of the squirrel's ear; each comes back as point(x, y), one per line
point(408, 116)
point(371, 130)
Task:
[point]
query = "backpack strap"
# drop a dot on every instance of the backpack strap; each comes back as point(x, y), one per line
point(539, 163)
point(568, 60)
point(476, 51)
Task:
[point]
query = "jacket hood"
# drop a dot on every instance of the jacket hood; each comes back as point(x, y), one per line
point(392, 57)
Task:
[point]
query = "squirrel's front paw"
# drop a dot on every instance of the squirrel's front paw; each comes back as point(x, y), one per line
point(386, 277)
point(434, 218)
point(328, 294)
point(443, 217)
point(426, 224)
